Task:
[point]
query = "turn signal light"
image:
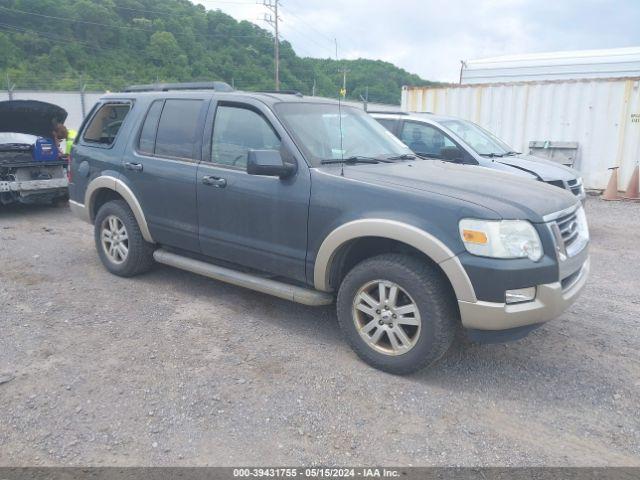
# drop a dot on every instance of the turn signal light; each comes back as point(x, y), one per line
point(474, 236)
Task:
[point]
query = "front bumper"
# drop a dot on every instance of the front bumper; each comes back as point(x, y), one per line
point(551, 300)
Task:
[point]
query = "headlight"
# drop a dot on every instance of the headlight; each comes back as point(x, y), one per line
point(501, 239)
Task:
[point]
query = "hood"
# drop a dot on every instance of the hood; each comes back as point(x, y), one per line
point(547, 170)
point(30, 117)
point(509, 196)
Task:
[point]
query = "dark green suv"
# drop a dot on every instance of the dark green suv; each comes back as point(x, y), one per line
point(313, 201)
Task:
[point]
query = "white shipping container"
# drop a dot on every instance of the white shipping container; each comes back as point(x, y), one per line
point(609, 63)
point(602, 115)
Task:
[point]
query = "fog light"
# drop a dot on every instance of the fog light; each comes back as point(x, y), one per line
point(520, 295)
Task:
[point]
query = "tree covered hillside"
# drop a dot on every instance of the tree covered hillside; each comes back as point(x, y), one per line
point(107, 44)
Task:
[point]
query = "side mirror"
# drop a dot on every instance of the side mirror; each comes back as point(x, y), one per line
point(269, 163)
point(452, 154)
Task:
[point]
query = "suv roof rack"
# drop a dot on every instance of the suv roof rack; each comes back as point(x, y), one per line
point(165, 87)
point(390, 112)
point(282, 92)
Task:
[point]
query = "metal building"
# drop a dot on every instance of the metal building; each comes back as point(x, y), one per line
point(601, 116)
point(610, 63)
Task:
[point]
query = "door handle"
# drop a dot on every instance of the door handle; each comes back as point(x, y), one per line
point(214, 181)
point(136, 167)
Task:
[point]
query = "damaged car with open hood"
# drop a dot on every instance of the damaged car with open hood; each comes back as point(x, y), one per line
point(32, 169)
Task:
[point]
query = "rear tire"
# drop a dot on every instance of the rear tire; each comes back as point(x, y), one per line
point(415, 323)
point(121, 247)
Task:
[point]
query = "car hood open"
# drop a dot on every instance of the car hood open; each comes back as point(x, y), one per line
point(509, 196)
point(30, 116)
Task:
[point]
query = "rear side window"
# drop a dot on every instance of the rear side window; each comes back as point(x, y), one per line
point(388, 123)
point(105, 124)
point(147, 141)
point(178, 128)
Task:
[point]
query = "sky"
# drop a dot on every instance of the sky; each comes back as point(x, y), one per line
point(430, 37)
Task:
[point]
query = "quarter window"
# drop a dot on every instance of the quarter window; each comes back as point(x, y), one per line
point(424, 139)
point(238, 130)
point(147, 140)
point(178, 128)
point(105, 124)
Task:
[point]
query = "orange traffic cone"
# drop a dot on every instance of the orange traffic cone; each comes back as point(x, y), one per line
point(634, 184)
point(611, 192)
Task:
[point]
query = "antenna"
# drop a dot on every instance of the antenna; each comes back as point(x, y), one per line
point(340, 118)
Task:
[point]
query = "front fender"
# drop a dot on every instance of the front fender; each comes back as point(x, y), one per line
point(401, 232)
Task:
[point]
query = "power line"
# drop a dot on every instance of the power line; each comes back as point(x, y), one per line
point(61, 40)
point(127, 27)
point(289, 12)
point(172, 14)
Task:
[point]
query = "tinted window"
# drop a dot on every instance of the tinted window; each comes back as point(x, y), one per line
point(236, 131)
point(106, 123)
point(425, 139)
point(148, 133)
point(388, 123)
point(178, 128)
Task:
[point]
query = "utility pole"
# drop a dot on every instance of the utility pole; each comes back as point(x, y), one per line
point(273, 19)
point(344, 71)
point(365, 99)
point(313, 88)
point(10, 87)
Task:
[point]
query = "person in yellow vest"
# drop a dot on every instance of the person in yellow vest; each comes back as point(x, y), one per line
point(71, 136)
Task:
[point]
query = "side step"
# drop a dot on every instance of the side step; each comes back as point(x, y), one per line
point(293, 293)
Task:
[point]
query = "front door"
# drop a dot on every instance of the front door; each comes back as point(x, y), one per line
point(255, 221)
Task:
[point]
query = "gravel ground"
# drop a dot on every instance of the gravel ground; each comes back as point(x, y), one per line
point(175, 369)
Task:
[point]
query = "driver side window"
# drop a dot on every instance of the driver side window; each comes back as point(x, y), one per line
point(425, 139)
point(237, 130)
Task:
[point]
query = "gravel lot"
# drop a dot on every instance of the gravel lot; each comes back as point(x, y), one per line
point(175, 369)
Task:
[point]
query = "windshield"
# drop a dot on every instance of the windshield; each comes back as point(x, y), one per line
point(477, 137)
point(316, 129)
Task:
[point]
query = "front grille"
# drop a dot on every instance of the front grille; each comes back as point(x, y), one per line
point(568, 226)
point(557, 183)
point(574, 186)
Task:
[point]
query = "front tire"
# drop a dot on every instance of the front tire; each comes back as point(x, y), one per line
point(121, 247)
point(397, 312)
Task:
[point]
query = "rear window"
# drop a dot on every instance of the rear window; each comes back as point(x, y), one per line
point(178, 128)
point(105, 124)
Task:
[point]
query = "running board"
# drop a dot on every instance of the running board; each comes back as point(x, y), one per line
point(293, 293)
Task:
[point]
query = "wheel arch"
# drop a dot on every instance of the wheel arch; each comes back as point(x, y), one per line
point(107, 183)
point(338, 243)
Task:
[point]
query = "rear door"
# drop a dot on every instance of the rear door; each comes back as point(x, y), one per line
point(256, 221)
point(161, 169)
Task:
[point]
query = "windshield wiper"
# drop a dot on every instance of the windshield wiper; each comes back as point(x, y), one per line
point(511, 153)
point(352, 160)
point(404, 156)
point(492, 155)
point(428, 155)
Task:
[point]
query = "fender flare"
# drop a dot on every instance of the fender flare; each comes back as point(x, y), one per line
point(118, 186)
point(401, 232)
